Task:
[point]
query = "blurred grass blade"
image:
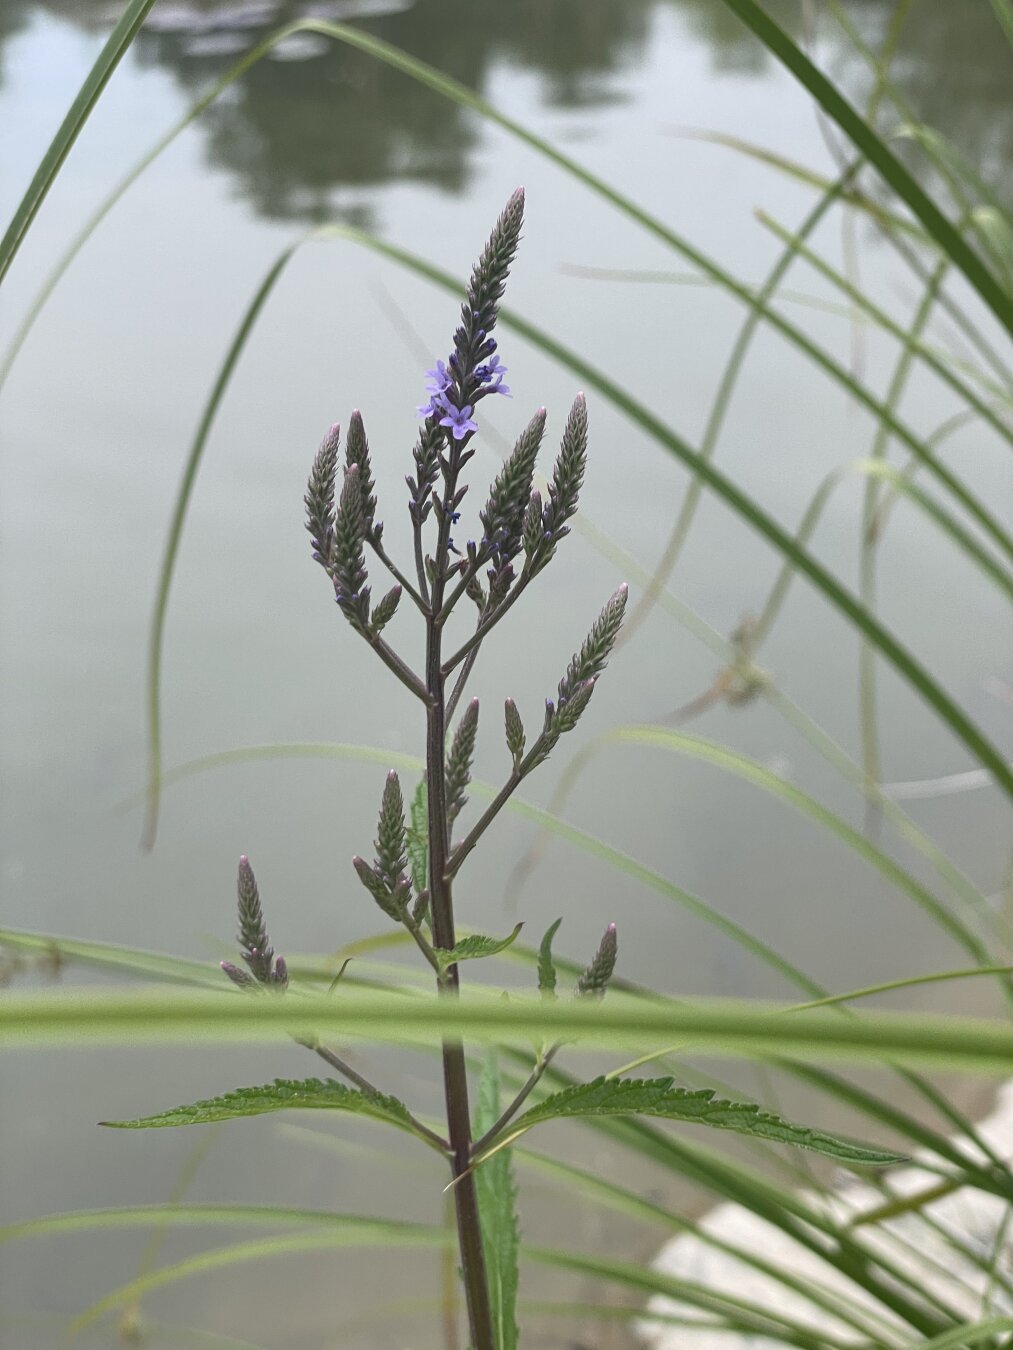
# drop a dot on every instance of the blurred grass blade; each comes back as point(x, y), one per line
point(737, 1028)
point(662, 738)
point(893, 172)
point(1004, 14)
point(343, 1232)
point(946, 370)
point(971, 1333)
point(60, 951)
point(70, 128)
point(180, 507)
point(909, 982)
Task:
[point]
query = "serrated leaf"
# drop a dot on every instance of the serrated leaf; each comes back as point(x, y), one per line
point(497, 1208)
point(417, 838)
point(546, 967)
point(281, 1095)
point(475, 947)
point(658, 1097)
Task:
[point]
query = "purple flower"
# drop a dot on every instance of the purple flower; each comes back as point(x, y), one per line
point(458, 419)
point(492, 374)
point(438, 379)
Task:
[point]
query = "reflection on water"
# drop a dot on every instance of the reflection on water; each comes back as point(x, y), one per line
point(283, 131)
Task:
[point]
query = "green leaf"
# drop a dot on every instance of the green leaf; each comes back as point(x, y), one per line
point(546, 967)
point(70, 128)
point(417, 838)
point(893, 172)
point(281, 1095)
point(497, 1197)
point(475, 947)
point(657, 1097)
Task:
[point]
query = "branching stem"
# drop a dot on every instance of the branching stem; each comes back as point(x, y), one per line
point(534, 1078)
point(398, 575)
point(487, 624)
point(329, 1057)
point(455, 1074)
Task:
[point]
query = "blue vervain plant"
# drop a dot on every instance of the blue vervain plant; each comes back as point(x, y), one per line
point(418, 855)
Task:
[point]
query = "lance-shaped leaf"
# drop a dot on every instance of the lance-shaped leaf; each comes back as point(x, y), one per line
point(497, 1208)
point(281, 1095)
point(462, 751)
point(476, 946)
point(417, 838)
point(349, 567)
point(319, 498)
point(503, 516)
point(658, 1097)
point(357, 453)
point(546, 965)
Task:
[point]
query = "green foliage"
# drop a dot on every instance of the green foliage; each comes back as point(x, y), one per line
point(281, 1095)
point(658, 1097)
point(475, 947)
point(497, 1200)
point(546, 966)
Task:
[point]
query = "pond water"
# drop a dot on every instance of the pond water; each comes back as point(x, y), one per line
point(97, 416)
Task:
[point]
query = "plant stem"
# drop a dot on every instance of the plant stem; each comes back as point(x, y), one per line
point(393, 662)
point(328, 1056)
point(486, 624)
point(529, 762)
point(398, 575)
point(461, 681)
point(533, 1079)
point(455, 1074)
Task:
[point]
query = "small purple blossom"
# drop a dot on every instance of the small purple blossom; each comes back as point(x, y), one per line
point(459, 420)
point(491, 374)
point(439, 378)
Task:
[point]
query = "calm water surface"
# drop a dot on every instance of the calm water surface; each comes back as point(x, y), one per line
point(97, 417)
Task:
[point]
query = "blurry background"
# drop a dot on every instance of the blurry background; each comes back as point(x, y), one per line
point(98, 413)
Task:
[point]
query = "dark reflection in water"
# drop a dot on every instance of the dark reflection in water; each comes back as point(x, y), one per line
point(307, 133)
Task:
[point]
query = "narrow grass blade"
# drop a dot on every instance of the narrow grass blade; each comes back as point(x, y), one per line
point(1004, 15)
point(354, 1233)
point(660, 738)
point(108, 956)
point(875, 150)
point(945, 369)
point(60, 147)
point(736, 1028)
point(180, 507)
